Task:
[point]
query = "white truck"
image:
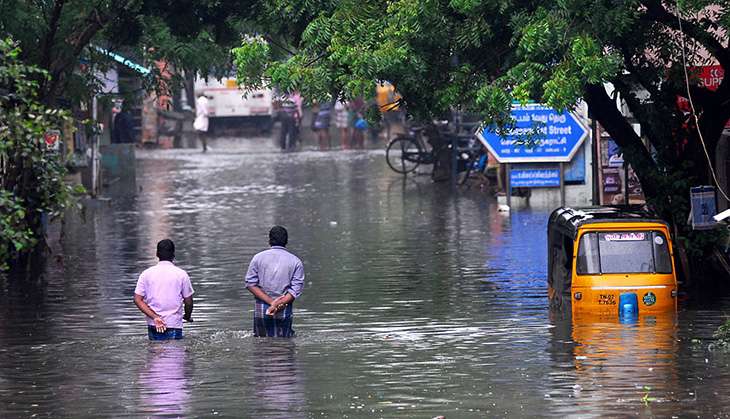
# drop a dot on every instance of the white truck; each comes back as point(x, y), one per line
point(231, 108)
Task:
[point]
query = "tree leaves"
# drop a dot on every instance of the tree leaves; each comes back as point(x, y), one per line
point(31, 180)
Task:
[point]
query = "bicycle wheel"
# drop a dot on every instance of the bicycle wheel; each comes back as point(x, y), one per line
point(403, 154)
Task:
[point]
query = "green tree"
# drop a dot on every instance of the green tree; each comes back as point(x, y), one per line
point(189, 36)
point(482, 55)
point(42, 65)
point(31, 178)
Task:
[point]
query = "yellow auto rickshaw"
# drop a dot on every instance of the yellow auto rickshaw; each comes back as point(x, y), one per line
point(608, 260)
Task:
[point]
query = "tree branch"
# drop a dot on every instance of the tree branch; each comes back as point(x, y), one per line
point(315, 59)
point(278, 45)
point(655, 12)
point(50, 38)
point(92, 24)
point(645, 112)
point(635, 72)
point(606, 112)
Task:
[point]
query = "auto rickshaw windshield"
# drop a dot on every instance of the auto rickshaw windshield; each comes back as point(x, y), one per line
point(623, 252)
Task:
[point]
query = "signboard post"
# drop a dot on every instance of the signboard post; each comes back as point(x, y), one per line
point(562, 184)
point(509, 184)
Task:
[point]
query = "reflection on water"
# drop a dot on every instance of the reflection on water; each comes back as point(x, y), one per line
point(278, 383)
point(163, 379)
point(417, 303)
point(620, 364)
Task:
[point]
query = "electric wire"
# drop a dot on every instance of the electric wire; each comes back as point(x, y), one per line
point(692, 105)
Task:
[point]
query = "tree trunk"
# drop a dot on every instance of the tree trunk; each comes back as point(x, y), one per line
point(605, 111)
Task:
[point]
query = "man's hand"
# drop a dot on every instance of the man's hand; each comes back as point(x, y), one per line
point(188, 316)
point(275, 306)
point(260, 294)
point(144, 308)
point(278, 304)
point(160, 325)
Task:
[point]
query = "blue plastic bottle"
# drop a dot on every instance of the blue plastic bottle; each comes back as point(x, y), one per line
point(628, 305)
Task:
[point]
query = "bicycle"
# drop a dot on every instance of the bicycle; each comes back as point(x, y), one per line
point(405, 153)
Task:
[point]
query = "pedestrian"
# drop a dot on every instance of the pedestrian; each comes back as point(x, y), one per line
point(358, 136)
point(374, 126)
point(321, 125)
point(122, 126)
point(358, 123)
point(298, 100)
point(161, 294)
point(342, 122)
point(201, 119)
point(275, 277)
point(289, 117)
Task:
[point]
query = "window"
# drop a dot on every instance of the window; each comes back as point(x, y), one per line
point(662, 260)
point(588, 255)
point(623, 252)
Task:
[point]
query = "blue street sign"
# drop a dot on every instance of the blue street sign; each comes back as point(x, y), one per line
point(556, 136)
point(534, 178)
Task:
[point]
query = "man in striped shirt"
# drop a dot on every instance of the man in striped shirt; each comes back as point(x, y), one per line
point(275, 277)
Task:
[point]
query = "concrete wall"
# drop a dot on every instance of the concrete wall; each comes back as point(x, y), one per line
point(575, 195)
point(118, 169)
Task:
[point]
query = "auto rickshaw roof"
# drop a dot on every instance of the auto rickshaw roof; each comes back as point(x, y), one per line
point(569, 220)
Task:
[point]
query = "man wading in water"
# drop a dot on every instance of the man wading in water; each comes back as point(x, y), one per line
point(161, 292)
point(275, 277)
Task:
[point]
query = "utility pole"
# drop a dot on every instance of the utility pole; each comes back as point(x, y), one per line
point(95, 149)
point(595, 162)
point(562, 184)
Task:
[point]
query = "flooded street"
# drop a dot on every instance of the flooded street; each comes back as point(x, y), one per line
point(418, 302)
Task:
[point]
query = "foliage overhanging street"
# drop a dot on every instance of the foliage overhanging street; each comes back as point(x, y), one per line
point(484, 55)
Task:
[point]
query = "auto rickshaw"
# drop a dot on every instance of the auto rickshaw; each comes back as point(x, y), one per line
point(610, 261)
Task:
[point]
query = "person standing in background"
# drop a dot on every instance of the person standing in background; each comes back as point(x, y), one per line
point(122, 128)
point(358, 123)
point(322, 125)
point(296, 97)
point(298, 101)
point(342, 122)
point(288, 116)
point(201, 119)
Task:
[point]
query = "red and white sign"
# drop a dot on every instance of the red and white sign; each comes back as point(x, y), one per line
point(52, 138)
point(709, 77)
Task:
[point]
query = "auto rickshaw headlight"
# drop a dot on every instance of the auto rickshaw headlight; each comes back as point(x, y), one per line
point(578, 295)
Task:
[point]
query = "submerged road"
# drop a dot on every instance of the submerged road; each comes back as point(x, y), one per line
point(417, 303)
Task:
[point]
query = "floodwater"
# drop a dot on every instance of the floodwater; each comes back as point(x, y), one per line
point(418, 302)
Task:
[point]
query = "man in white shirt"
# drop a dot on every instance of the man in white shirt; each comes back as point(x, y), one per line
point(201, 119)
point(163, 292)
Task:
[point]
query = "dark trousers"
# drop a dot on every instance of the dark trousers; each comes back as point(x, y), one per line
point(279, 325)
point(168, 334)
point(288, 134)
